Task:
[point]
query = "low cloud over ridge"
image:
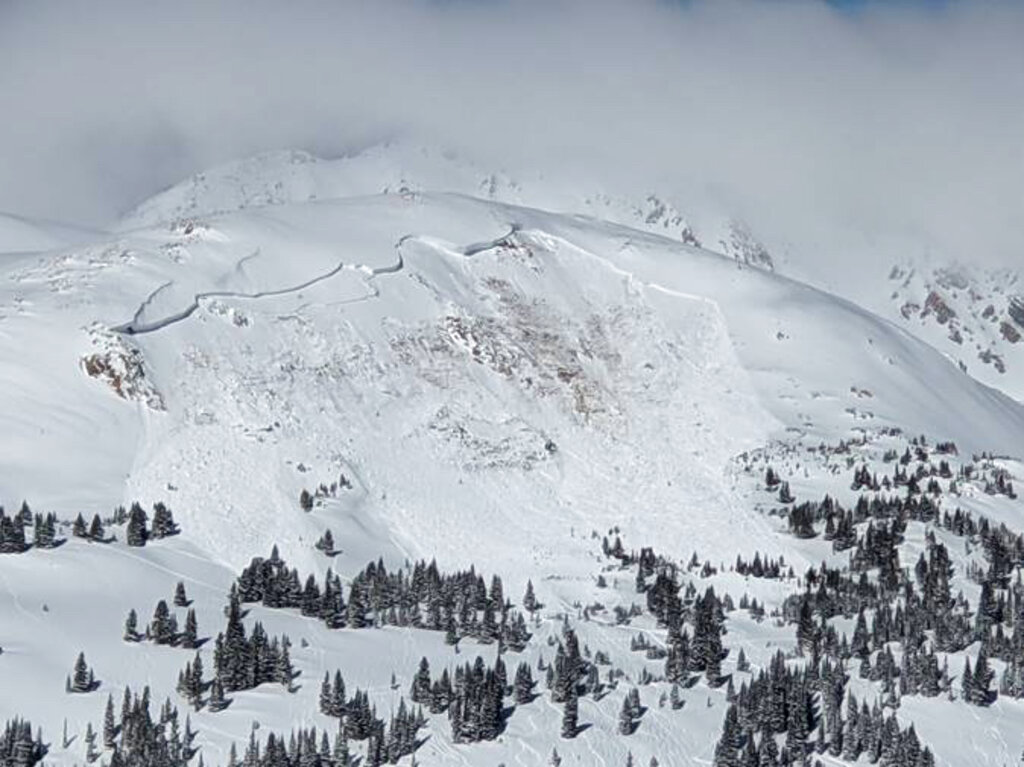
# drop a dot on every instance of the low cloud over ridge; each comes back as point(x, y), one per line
point(903, 121)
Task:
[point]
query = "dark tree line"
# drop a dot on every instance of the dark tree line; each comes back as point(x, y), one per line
point(460, 604)
point(132, 738)
point(308, 748)
point(805, 705)
point(13, 539)
point(12, 531)
point(763, 568)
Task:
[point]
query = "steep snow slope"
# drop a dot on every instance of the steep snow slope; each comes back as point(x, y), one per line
point(980, 334)
point(494, 382)
point(581, 366)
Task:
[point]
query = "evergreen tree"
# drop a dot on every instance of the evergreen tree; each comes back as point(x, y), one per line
point(981, 681)
point(341, 755)
point(109, 724)
point(45, 531)
point(522, 688)
point(338, 697)
point(675, 701)
point(742, 664)
point(136, 533)
point(570, 715)
point(326, 543)
point(325, 696)
point(163, 627)
point(190, 636)
point(626, 721)
point(217, 702)
point(530, 603)
point(82, 679)
point(131, 627)
point(91, 754)
point(163, 522)
point(967, 682)
point(420, 691)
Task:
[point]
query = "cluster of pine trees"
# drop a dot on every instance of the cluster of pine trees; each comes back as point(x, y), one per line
point(272, 583)
point(917, 609)
point(45, 531)
point(359, 720)
point(12, 531)
point(139, 739)
point(138, 531)
point(839, 521)
point(191, 686)
point(243, 661)
point(804, 704)
point(93, 531)
point(333, 701)
point(325, 543)
point(13, 539)
point(763, 568)
point(135, 738)
point(163, 628)
point(308, 500)
point(476, 710)
point(386, 743)
point(705, 613)
point(18, 746)
point(460, 604)
point(305, 747)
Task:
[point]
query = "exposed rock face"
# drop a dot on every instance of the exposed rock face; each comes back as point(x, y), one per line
point(1016, 310)
point(937, 304)
point(1010, 333)
point(121, 367)
point(967, 311)
point(744, 247)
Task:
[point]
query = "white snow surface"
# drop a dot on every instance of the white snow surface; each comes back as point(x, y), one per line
point(495, 380)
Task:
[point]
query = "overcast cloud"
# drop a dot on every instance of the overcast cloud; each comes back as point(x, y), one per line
point(801, 117)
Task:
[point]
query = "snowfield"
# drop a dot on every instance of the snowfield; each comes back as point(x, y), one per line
point(473, 379)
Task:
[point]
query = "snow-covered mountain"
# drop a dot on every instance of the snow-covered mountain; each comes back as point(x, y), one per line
point(454, 365)
point(276, 178)
point(976, 316)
